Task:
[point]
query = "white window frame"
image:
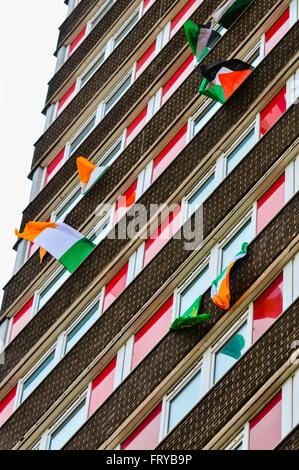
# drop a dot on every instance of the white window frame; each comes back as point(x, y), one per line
point(130, 73)
point(65, 203)
point(43, 287)
point(138, 11)
point(95, 115)
point(241, 438)
point(123, 362)
point(120, 140)
point(104, 52)
point(99, 12)
point(201, 111)
point(107, 216)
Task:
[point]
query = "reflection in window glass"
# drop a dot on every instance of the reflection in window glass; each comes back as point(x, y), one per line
point(76, 142)
point(52, 288)
point(126, 30)
point(233, 349)
point(201, 195)
point(67, 429)
point(36, 378)
point(118, 94)
point(234, 245)
point(240, 151)
point(194, 290)
point(77, 333)
point(184, 401)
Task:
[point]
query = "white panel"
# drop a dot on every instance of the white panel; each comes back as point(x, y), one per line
point(296, 399)
point(287, 286)
point(289, 181)
point(286, 424)
point(296, 277)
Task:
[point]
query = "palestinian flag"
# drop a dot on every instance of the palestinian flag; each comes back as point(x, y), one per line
point(63, 242)
point(190, 317)
point(89, 173)
point(230, 11)
point(223, 78)
point(200, 38)
point(220, 291)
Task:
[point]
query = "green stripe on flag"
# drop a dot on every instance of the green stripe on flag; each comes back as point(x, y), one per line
point(76, 254)
point(190, 317)
point(212, 91)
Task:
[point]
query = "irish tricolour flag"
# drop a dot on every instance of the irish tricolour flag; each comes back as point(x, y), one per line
point(230, 11)
point(200, 38)
point(223, 78)
point(63, 242)
point(190, 317)
point(220, 291)
point(89, 173)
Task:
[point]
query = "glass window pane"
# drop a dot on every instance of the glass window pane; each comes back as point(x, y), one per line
point(92, 70)
point(230, 353)
point(184, 401)
point(75, 144)
point(118, 94)
point(203, 118)
point(234, 245)
point(111, 155)
point(66, 209)
point(68, 428)
point(126, 30)
point(52, 288)
point(243, 148)
point(201, 195)
point(77, 333)
point(194, 290)
point(102, 13)
point(101, 231)
point(36, 378)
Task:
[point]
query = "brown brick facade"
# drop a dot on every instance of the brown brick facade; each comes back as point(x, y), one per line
point(291, 441)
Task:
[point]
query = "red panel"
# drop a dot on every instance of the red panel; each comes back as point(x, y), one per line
point(7, 406)
point(169, 153)
point(66, 99)
point(102, 387)
point(270, 203)
point(32, 249)
point(76, 42)
point(54, 166)
point(267, 308)
point(126, 201)
point(136, 126)
point(147, 4)
point(277, 31)
point(145, 60)
point(115, 286)
point(151, 333)
point(273, 111)
point(183, 15)
point(146, 436)
point(21, 319)
point(177, 79)
point(265, 428)
point(159, 238)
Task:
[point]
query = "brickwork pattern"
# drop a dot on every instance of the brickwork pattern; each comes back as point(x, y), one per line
point(291, 441)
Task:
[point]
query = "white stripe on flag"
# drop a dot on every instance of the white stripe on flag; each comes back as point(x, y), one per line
point(218, 15)
point(58, 240)
point(94, 176)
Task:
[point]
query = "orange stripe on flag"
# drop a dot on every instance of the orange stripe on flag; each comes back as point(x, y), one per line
point(42, 253)
point(33, 229)
point(85, 168)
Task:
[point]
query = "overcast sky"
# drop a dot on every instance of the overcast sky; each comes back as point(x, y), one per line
point(28, 37)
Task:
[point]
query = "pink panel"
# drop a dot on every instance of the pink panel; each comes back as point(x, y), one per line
point(169, 153)
point(277, 31)
point(32, 249)
point(115, 286)
point(273, 111)
point(21, 319)
point(151, 333)
point(147, 4)
point(267, 308)
point(7, 406)
point(54, 166)
point(146, 436)
point(145, 60)
point(126, 201)
point(102, 387)
point(159, 238)
point(66, 99)
point(270, 203)
point(183, 15)
point(265, 428)
point(177, 79)
point(76, 42)
point(136, 126)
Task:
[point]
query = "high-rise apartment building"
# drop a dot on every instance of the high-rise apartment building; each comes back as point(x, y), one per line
point(89, 361)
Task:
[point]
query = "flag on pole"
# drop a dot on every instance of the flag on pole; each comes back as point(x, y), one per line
point(190, 317)
point(220, 291)
point(223, 78)
point(200, 38)
point(89, 173)
point(63, 242)
point(230, 11)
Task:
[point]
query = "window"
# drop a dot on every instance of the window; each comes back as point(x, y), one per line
point(112, 153)
point(52, 285)
point(145, 59)
point(54, 166)
point(169, 153)
point(135, 127)
point(102, 387)
point(115, 287)
point(101, 13)
point(68, 204)
point(270, 203)
point(177, 79)
point(68, 425)
point(200, 192)
point(36, 375)
point(265, 428)
point(231, 248)
point(196, 284)
point(146, 436)
point(126, 28)
point(21, 319)
point(7, 406)
point(277, 31)
point(92, 69)
point(203, 115)
point(77, 41)
point(272, 112)
point(240, 148)
point(187, 10)
point(82, 134)
point(118, 92)
point(64, 101)
point(101, 229)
